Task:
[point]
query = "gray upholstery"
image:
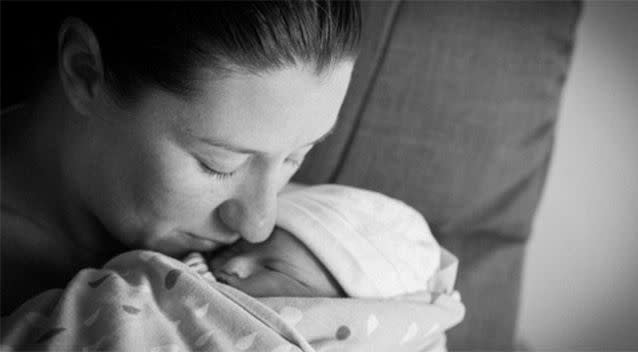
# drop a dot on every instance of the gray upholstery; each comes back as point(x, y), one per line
point(452, 108)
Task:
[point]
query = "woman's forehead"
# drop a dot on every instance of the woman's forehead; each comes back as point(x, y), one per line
point(291, 107)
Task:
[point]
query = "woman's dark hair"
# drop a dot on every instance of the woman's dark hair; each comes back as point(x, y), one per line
point(165, 43)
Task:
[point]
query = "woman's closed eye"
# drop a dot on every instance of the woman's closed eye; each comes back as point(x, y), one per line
point(222, 173)
point(214, 172)
point(292, 162)
point(219, 163)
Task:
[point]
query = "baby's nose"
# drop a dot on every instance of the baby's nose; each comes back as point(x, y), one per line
point(239, 266)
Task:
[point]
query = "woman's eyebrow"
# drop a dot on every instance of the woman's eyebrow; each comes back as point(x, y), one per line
point(240, 150)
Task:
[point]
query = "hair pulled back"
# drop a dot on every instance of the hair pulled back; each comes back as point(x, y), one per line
point(168, 43)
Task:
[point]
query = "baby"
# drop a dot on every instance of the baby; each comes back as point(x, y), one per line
point(331, 241)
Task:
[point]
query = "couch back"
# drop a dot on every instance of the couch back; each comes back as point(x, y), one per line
point(452, 108)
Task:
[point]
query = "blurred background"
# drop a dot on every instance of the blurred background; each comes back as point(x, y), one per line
point(580, 284)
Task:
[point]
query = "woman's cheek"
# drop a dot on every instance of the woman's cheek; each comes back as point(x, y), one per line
point(190, 196)
point(174, 189)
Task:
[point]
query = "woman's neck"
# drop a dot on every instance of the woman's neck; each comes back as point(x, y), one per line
point(41, 165)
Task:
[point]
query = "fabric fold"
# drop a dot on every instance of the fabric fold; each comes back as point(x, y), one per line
point(145, 301)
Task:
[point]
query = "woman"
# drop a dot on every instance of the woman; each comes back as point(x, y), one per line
point(170, 127)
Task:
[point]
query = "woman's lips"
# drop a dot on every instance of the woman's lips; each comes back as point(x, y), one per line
point(201, 243)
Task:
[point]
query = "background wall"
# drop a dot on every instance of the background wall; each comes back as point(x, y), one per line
point(580, 288)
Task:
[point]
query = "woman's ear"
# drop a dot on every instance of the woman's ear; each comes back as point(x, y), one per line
point(79, 64)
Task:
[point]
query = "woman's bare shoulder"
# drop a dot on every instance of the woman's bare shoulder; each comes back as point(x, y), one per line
point(32, 259)
point(20, 235)
point(18, 215)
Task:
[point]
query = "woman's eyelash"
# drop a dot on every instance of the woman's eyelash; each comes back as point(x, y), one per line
point(212, 172)
point(224, 175)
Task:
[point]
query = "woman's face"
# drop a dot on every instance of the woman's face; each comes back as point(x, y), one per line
point(173, 175)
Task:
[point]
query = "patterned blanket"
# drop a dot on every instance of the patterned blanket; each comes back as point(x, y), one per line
point(145, 301)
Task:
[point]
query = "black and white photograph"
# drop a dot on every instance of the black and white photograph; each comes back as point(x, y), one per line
point(319, 175)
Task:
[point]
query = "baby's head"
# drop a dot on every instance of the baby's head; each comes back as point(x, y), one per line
point(335, 241)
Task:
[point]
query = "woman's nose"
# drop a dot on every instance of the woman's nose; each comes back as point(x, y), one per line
point(251, 213)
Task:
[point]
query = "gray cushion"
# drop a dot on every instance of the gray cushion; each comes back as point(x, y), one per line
point(452, 108)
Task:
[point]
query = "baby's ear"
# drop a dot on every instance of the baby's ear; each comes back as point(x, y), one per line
point(80, 64)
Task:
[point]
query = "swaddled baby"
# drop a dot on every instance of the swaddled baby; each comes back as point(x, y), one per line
point(332, 241)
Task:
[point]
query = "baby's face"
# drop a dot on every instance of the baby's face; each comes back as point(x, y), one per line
point(279, 266)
